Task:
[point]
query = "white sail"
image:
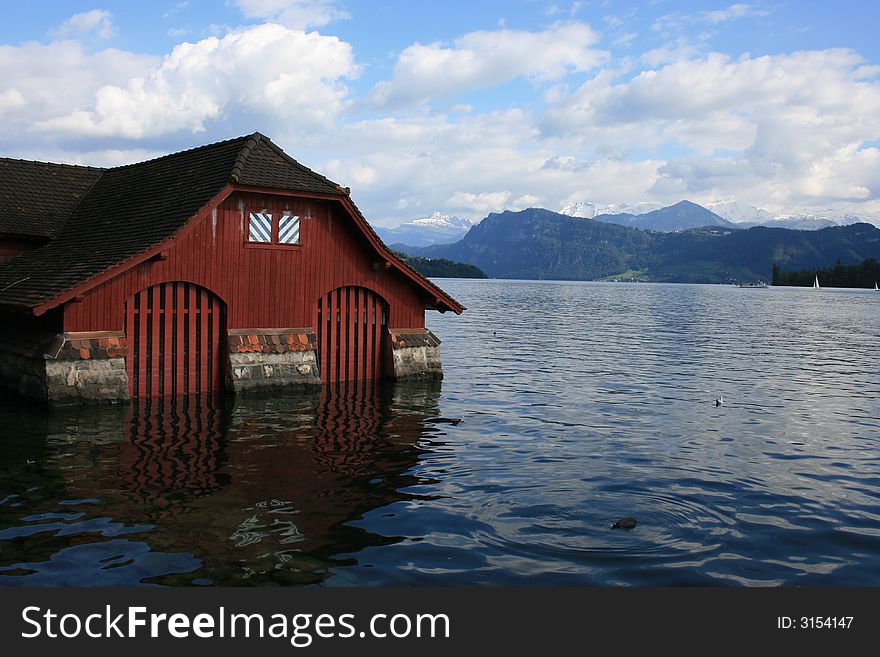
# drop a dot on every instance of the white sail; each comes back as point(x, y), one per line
point(875, 286)
point(816, 284)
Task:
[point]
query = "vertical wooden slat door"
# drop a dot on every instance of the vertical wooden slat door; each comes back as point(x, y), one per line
point(350, 325)
point(173, 332)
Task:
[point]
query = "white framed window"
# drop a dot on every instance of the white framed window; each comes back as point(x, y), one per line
point(288, 228)
point(260, 228)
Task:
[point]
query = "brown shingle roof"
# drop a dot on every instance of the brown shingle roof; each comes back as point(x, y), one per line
point(127, 210)
point(36, 198)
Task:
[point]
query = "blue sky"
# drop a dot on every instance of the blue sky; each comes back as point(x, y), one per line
point(469, 107)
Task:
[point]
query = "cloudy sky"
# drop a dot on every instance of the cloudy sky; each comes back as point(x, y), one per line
point(468, 107)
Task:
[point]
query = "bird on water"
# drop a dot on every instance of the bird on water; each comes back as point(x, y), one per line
point(625, 523)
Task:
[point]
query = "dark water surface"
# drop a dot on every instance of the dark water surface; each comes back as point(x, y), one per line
point(587, 403)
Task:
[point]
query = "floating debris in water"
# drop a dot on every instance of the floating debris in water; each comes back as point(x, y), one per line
point(625, 523)
point(444, 420)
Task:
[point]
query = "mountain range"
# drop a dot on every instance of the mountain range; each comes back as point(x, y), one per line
point(537, 243)
point(437, 228)
point(684, 215)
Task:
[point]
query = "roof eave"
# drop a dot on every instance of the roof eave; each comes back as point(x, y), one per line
point(143, 256)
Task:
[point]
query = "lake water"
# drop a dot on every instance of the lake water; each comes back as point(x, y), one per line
point(579, 403)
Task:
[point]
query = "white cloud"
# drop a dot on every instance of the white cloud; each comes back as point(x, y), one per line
point(268, 71)
point(677, 21)
point(481, 60)
point(795, 130)
point(297, 14)
point(11, 99)
point(782, 129)
point(739, 10)
point(470, 166)
point(481, 203)
point(43, 81)
point(96, 22)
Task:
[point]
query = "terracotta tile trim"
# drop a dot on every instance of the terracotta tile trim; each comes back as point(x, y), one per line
point(277, 341)
point(407, 338)
point(91, 345)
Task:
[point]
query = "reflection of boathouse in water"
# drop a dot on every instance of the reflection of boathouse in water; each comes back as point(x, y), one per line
point(256, 489)
point(229, 266)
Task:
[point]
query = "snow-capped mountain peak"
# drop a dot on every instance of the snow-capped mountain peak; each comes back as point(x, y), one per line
point(440, 220)
point(738, 212)
point(589, 210)
point(438, 228)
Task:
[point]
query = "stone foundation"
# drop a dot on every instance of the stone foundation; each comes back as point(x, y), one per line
point(415, 353)
point(90, 367)
point(87, 367)
point(271, 358)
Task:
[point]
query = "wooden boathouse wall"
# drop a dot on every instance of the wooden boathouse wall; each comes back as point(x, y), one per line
point(266, 286)
point(168, 277)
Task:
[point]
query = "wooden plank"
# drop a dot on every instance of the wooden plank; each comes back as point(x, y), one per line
point(168, 342)
point(204, 379)
point(130, 319)
point(365, 334)
point(217, 344)
point(143, 390)
point(322, 339)
point(350, 322)
point(155, 347)
point(333, 351)
point(179, 320)
point(191, 319)
point(378, 336)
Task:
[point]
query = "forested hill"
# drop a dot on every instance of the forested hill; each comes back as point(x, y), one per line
point(681, 216)
point(441, 267)
point(865, 274)
point(538, 243)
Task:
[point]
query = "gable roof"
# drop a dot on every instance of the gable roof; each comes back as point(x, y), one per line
point(127, 210)
point(37, 197)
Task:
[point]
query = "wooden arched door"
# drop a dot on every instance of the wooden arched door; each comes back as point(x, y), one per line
point(351, 323)
point(174, 332)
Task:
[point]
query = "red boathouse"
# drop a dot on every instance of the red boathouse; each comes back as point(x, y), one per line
point(229, 266)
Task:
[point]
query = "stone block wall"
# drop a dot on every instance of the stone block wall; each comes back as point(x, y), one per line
point(266, 358)
point(90, 367)
point(65, 368)
point(87, 367)
point(415, 353)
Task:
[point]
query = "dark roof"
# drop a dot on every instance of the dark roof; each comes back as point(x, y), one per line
point(36, 198)
point(263, 164)
point(127, 210)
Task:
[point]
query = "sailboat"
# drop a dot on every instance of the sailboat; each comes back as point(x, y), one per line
point(816, 283)
point(875, 286)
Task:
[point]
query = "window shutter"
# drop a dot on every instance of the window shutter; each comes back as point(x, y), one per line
point(260, 228)
point(288, 229)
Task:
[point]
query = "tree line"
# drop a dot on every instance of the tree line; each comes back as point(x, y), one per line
point(441, 267)
point(865, 274)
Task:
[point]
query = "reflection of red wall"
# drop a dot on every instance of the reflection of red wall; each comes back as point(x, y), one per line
point(170, 445)
point(207, 477)
point(262, 287)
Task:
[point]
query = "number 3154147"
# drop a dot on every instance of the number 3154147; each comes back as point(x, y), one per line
point(814, 622)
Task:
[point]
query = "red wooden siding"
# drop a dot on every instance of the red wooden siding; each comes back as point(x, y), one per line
point(173, 333)
point(350, 326)
point(261, 286)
